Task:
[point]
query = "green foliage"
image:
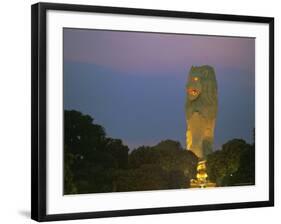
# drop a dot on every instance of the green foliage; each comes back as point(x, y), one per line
point(245, 175)
point(95, 163)
point(164, 166)
point(90, 157)
point(146, 177)
point(234, 164)
point(69, 185)
point(169, 155)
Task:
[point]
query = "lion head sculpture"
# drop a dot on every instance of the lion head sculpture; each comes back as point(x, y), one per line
point(201, 109)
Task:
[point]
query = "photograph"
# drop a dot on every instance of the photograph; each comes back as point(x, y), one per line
point(147, 111)
point(142, 111)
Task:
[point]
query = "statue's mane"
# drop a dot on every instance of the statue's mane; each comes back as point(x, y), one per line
point(207, 101)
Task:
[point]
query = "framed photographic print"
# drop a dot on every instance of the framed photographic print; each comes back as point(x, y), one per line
point(139, 111)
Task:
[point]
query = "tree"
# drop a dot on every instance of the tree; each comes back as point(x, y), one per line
point(95, 163)
point(145, 177)
point(178, 165)
point(69, 185)
point(232, 165)
point(90, 157)
point(245, 175)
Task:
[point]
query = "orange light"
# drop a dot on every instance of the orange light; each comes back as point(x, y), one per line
point(195, 79)
point(192, 91)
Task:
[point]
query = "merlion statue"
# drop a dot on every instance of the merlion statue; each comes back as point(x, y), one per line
point(201, 110)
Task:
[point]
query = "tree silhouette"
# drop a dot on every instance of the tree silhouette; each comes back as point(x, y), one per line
point(234, 164)
point(95, 163)
point(163, 166)
point(90, 157)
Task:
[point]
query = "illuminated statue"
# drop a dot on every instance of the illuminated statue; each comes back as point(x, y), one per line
point(201, 180)
point(201, 110)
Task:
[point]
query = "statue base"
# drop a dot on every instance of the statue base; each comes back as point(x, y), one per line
point(201, 180)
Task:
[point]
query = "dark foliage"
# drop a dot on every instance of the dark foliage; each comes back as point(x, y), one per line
point(233, 165)
point(90, 157)
point(95, 163)
point(164, 166)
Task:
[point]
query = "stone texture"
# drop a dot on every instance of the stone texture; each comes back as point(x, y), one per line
point(201, 110)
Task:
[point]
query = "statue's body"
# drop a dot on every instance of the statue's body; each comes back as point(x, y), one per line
point(201, 110)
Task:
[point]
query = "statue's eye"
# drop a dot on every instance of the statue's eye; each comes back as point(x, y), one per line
point(195, 79)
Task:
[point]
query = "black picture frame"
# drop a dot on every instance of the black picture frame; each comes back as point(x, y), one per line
point(39, 122)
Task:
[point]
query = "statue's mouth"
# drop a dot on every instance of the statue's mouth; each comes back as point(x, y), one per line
point(193, 91)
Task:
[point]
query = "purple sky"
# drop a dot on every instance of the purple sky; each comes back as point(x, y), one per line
point(133, 83)
point(131, 51)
